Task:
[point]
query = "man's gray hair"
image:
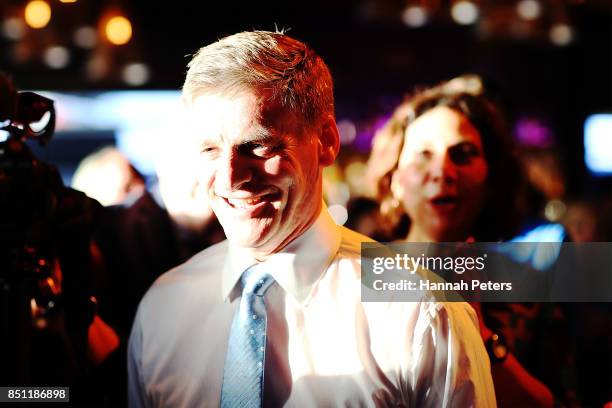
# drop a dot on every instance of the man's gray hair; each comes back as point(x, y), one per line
point(286, 69)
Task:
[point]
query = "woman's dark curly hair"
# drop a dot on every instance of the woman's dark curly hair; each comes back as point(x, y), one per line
point(500, 216)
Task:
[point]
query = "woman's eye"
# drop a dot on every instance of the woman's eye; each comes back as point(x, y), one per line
point(463, 153)
point(425, 154)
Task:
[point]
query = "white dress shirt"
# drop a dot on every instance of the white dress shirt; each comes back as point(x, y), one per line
point(325, 348)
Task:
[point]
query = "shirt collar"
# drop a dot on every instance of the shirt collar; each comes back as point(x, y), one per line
point(297, 267)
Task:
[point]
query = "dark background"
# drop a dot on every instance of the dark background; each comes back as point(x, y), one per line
point(374, 57)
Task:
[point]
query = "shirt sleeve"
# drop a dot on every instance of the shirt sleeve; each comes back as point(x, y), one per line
point(451, 367)
point(136, 390)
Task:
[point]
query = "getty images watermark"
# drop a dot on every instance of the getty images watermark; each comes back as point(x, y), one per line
point(487, 272)
point(412, 264)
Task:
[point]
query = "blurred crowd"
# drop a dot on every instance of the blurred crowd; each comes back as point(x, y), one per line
point(443, 168)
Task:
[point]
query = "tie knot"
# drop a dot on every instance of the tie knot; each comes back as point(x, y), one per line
point(256, 280)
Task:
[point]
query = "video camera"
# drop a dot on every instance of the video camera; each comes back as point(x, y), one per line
point(45, 262)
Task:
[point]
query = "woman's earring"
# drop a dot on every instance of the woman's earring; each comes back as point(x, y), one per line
point(395, 203)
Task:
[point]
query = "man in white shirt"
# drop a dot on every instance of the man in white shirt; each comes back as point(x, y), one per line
point(261, 107)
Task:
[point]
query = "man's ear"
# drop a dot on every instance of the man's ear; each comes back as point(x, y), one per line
point(329, 141)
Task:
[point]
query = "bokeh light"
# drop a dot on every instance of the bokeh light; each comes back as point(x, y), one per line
point(37, 14)
point(561, 34)
point(347, 131)
point(118, 30)
point(13, 28)
point(414, 16)
point(57, 57)
point(86, 37)
point(339, 213)
point(135, 74)
point(528, 9)
point(465, 12)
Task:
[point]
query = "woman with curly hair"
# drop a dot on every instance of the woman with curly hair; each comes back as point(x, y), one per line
point(446, 161)
point(444, 169)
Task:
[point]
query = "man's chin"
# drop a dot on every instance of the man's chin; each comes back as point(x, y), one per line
point(249, 239)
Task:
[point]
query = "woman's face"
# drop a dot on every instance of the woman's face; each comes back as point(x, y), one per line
point(441, 176)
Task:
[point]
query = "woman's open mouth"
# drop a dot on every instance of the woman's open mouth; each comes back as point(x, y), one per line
point(445, 203)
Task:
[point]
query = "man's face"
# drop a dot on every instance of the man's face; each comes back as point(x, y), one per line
point(260, 168)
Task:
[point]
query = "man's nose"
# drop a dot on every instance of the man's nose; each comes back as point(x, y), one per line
point(443, 169)
point(234, 171)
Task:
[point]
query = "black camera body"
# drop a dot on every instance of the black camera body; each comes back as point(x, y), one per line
point(45, 261)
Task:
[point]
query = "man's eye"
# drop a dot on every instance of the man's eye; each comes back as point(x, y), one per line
point(260, 149)
point(208, 149)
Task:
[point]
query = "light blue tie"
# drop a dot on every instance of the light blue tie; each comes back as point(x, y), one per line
point(243, 377)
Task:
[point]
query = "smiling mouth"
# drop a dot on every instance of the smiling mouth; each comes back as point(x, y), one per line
point(245, 203)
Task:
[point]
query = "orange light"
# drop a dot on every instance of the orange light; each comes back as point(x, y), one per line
point(68, 1)
point(37, 14)
point(118, 30)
